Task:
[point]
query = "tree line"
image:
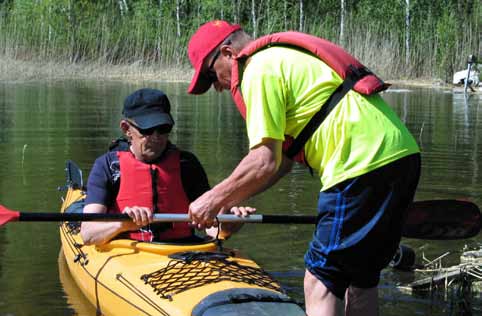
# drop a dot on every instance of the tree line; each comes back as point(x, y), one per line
point(396, 38)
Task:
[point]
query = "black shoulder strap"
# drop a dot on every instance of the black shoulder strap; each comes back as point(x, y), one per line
point(353, 76)
point(119, 144)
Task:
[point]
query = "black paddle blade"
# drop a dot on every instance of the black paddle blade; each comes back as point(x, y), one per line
point(442, 220)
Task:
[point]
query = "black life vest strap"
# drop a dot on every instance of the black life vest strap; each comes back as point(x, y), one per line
point(154, 188)
point(156, 227)
point(352, 77)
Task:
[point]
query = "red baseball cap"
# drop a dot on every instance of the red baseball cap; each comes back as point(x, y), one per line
point(202, 43)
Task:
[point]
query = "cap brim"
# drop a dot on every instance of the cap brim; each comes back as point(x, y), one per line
point(152, 119)
point(199, 83)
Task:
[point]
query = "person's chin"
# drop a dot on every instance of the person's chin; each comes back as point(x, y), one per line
point(150, 156)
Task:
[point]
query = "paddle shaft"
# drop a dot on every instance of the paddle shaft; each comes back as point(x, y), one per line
point(159, 218)
point(432, 219)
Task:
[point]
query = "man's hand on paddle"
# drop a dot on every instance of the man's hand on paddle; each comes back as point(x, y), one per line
point(203, 216)
point(202, 213)
point(225, 230)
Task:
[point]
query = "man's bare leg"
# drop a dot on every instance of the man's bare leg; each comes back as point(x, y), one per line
point(319, 300)
point(361, 302)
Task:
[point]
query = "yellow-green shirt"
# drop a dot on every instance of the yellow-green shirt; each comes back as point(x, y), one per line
point(283, 88)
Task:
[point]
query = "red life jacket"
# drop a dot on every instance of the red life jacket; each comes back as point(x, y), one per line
point(334, 56)
point(136, 189)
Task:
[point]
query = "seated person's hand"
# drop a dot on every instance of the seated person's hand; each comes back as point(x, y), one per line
point(242, 211)
point(141, 216)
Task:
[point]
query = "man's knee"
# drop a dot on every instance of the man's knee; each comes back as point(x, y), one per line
point(319, 300)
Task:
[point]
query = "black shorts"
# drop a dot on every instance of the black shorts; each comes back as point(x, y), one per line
point(359, 225)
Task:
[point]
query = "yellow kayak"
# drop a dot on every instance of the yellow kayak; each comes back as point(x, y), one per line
point(126, 277)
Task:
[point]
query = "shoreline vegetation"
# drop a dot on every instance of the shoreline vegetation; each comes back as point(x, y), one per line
point(409, 40)
point(14, 70)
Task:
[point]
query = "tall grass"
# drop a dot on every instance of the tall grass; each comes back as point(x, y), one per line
point(155, 32)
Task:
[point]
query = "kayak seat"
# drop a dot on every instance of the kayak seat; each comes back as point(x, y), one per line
point(76, 207)
point(247, 302)
point(74, 175)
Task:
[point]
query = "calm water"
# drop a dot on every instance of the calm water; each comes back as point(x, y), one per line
point(44, 124)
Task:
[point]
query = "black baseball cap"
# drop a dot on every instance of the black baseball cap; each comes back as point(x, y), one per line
point(147, 108)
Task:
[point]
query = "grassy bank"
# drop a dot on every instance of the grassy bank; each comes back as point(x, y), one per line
point(14, 70)
point(34, 70)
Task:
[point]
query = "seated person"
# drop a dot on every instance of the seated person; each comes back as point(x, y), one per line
point(151, 176)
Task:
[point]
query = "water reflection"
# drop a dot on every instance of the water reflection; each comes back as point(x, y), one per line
point(3, 241)
point(447, 127)
point(45, 124)
point(74, 296)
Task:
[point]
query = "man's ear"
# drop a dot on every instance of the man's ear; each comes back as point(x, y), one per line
point(125, 128)
point(228, 51)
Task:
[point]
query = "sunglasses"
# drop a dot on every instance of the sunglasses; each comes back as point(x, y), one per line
point(161, 129)
point(211, 74)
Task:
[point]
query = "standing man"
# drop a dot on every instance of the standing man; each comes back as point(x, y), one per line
point(367, 160)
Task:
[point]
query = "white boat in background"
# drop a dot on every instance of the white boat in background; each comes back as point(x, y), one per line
point(461, 76)
point(469, 77)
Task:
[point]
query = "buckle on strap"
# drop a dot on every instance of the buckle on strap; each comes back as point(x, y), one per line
point(354, 74)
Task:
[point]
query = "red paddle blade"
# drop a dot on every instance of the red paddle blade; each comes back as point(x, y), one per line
point(7, 215)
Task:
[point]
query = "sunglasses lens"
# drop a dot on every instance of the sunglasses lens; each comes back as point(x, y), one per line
point(161, 129)
point(210, 76)
point(147, 131)
point(213, 77)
